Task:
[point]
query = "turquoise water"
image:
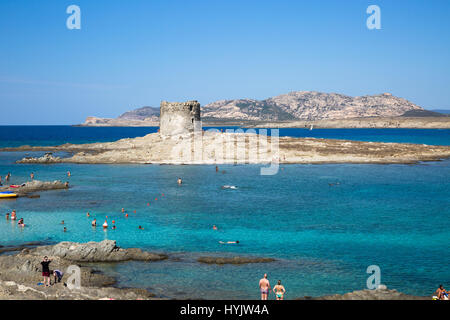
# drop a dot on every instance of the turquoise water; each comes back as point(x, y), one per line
point(323, 237)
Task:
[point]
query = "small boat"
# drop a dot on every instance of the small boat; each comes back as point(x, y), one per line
point(7, 195)
point(310, 128)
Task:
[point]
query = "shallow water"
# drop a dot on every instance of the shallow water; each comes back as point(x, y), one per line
point(323, 237)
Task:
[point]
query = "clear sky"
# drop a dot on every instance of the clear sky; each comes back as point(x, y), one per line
point(133, 53)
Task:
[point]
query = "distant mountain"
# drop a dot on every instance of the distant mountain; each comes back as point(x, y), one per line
point(444, 111)
point(298, 105)
point(423, 113)
point(309, 105)
point(141, 114)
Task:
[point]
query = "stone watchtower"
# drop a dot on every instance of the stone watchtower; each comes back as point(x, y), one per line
point(178, 118)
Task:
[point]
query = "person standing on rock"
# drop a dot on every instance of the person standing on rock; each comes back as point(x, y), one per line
point(264, 287)
point(46, 270)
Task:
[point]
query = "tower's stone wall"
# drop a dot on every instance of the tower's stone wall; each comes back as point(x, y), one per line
point(178, 118)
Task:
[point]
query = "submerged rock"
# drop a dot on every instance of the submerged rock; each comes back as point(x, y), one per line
point(382, 293)
point(233, 260)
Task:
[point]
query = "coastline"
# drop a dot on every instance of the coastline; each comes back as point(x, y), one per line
point(214, 149)
point(19, 274)
point(348, 123)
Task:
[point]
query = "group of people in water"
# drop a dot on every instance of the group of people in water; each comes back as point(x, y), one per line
point(13, 216)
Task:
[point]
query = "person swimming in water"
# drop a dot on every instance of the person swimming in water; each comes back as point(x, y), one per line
point(7, 216)
point(180, 181)
point(65, 229)
point(214, 227)
point(21, 223)
point(94, 222)
point(229, 242)
point(264, 287)
point(88, 214)
point(13, 215)
point(140, 228)
point(279, 291)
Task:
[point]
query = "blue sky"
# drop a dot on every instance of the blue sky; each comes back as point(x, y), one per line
point(135, 53)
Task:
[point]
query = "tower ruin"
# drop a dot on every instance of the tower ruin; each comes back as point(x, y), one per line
point(178, 118)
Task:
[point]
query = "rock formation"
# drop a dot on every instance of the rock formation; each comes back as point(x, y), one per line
point(309, 105)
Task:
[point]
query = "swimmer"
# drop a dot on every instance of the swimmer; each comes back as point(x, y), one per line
point(20, 223)
point(13, 215)
point(114, 227)
point(62, 222)
point(32, 176)
point(68, 174)
point(140, 228)
point(7, 216)
point(65, 229)
point(94, 222)
point(229, 242)
point(279, 291)
point(88, 215)
point(217, 169)
point(180, 181)
point(105, 225)
point(123, 210)
point(214, 227)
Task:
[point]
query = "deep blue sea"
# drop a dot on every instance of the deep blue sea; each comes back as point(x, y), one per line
point(323, 237)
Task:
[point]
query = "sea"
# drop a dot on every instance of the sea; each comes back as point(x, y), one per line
point(324, 224)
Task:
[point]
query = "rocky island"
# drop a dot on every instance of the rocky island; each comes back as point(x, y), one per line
point(300, 109)
point(181, 140)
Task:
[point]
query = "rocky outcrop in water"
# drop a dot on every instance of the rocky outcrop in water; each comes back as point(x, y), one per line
point(104, 251)
point(36, 186)
point(47, 158)
point(20, 273)
point(382, 293)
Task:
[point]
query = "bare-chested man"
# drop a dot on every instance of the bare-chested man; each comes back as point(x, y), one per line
point(264, 287)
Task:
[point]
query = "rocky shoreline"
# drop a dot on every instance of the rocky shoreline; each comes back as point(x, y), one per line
point(212, 147)
point(30, 187)
point(20, 273)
